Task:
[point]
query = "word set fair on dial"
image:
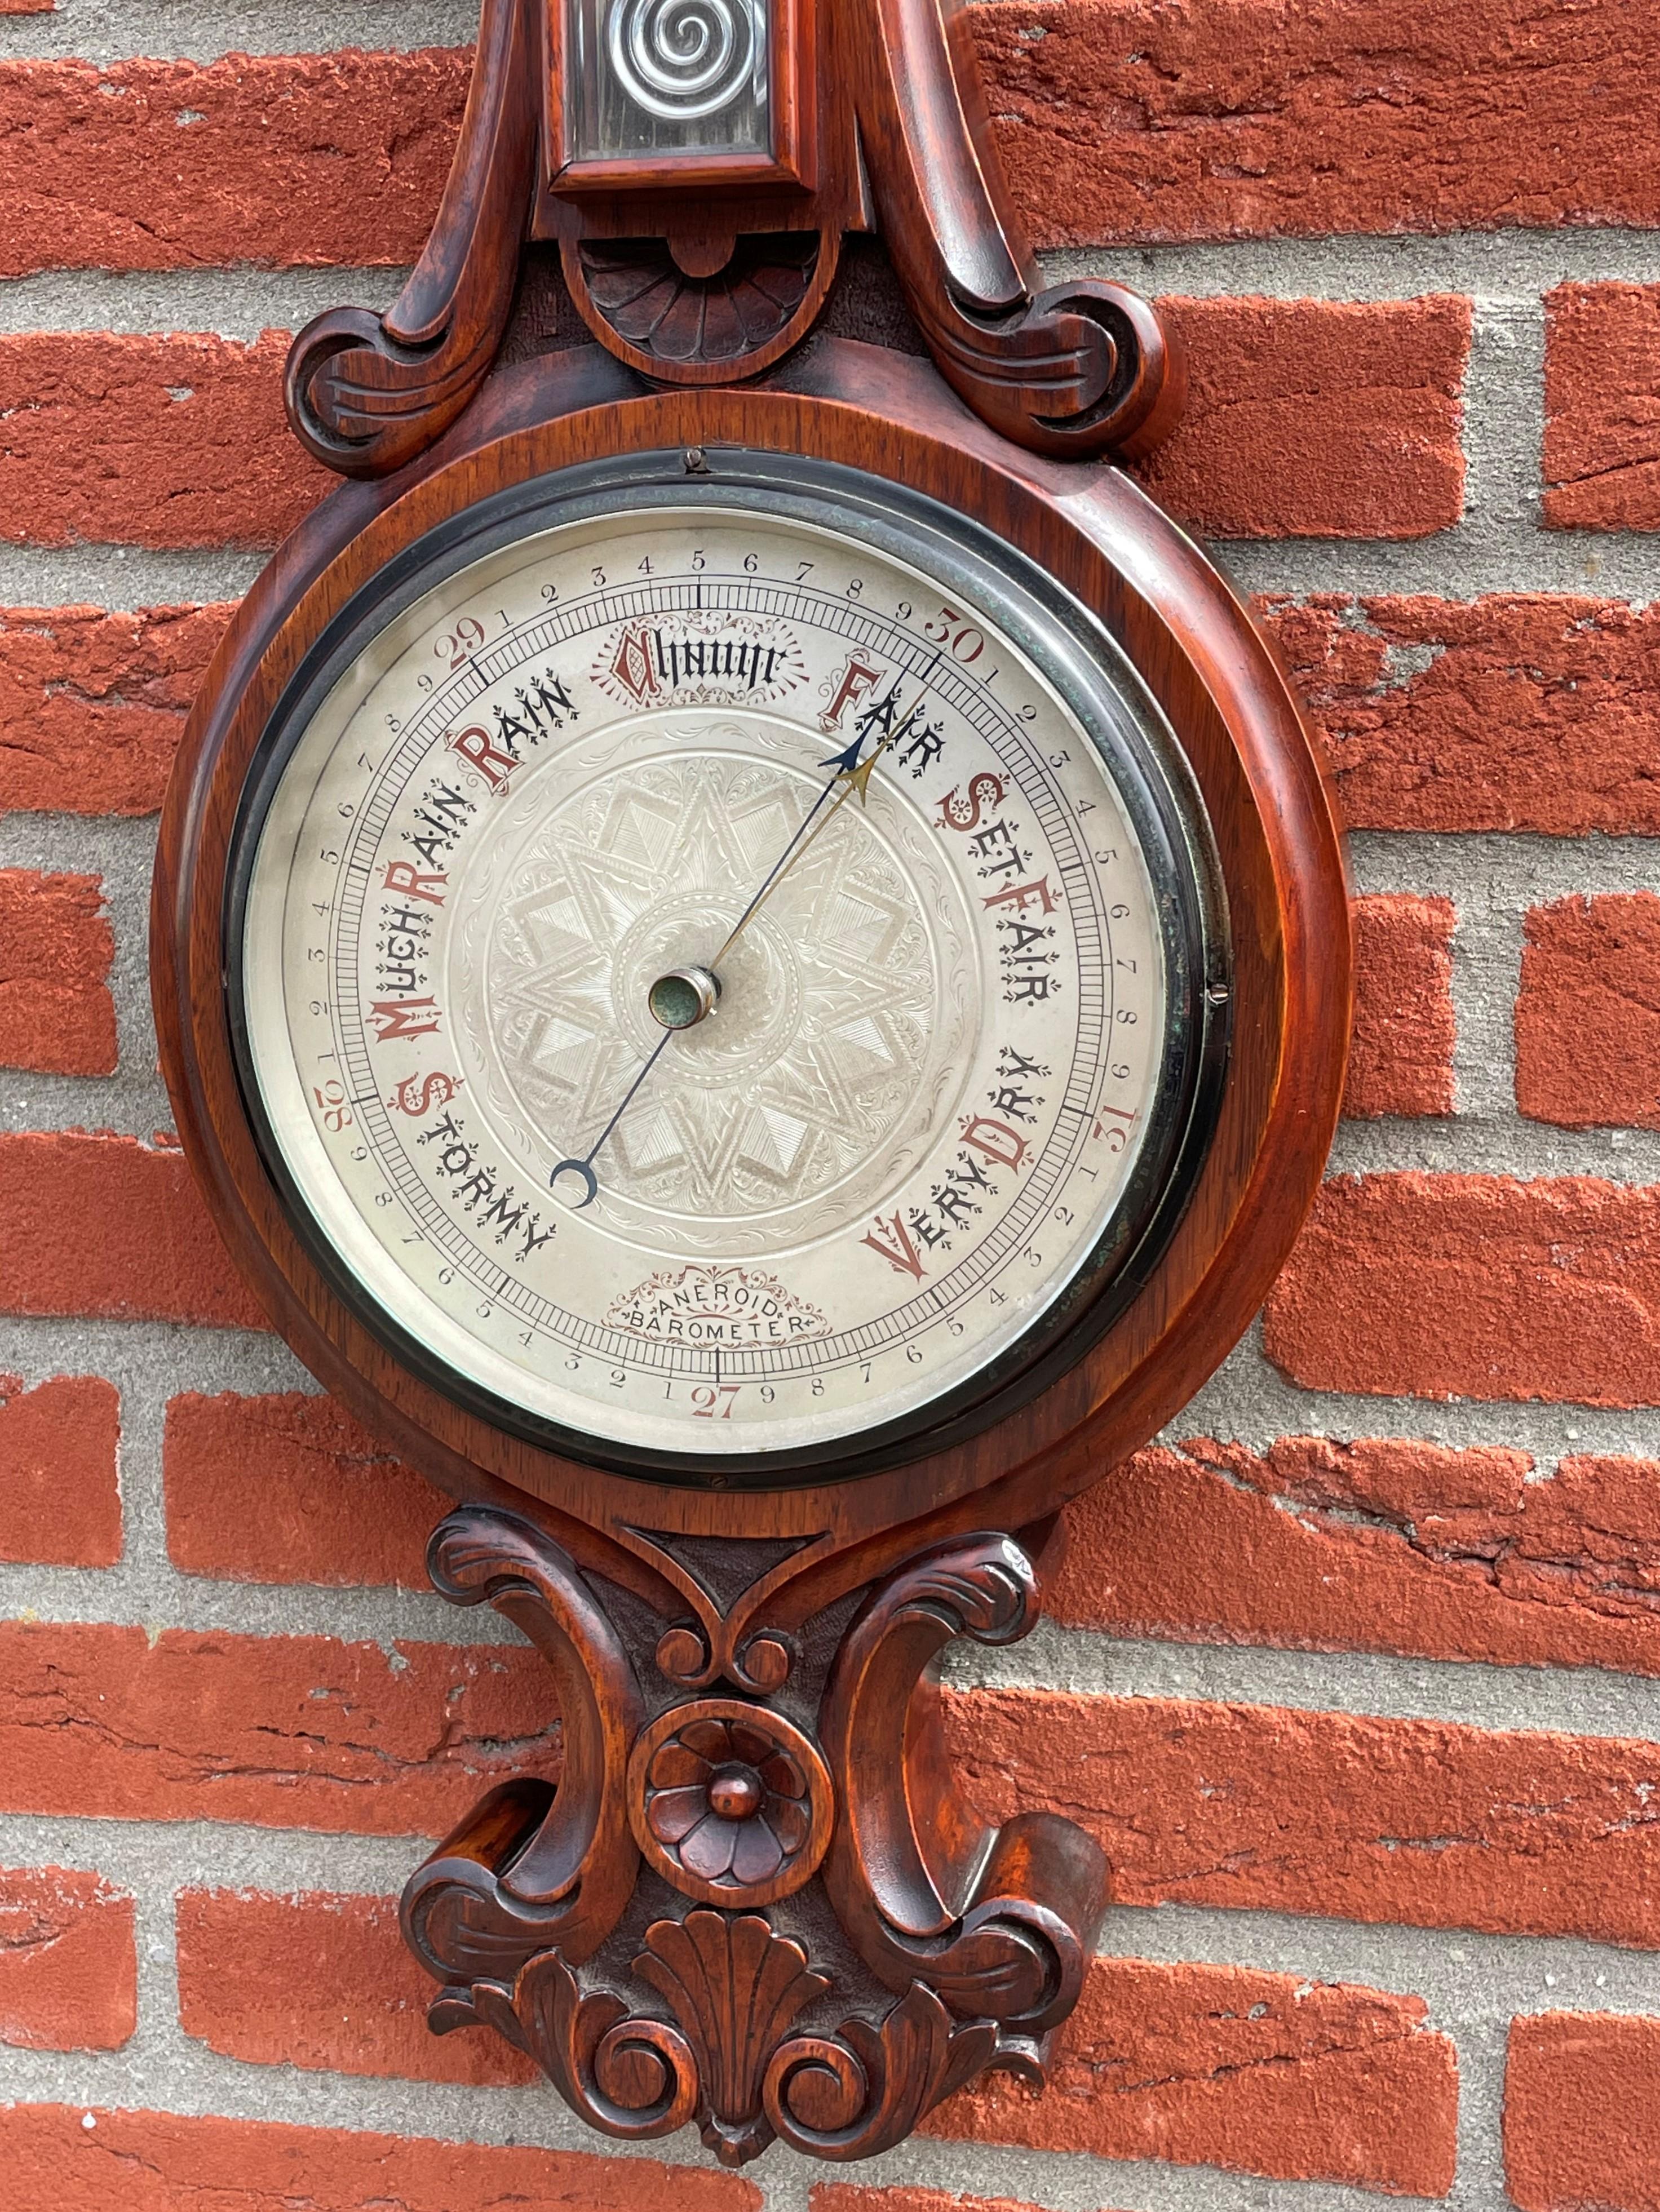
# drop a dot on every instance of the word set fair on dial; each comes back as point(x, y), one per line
point(758, 760)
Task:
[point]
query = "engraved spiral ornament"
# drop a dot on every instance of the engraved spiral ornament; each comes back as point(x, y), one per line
point(683, 60)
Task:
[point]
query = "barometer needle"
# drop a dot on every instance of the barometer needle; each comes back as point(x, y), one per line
point(585, 1168)
point(856, 778)
point(854, 775)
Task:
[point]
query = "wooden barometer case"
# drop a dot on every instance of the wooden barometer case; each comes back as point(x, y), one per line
point(753, 958)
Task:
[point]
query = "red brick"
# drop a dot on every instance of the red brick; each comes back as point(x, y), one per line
point(1587, 1015)
point(285, 158)
point(1582, 2112)
point(1137, 121)
point(28, 7)
point(57, 1016)
point(1596, 1522)
point(322, 1982)
point(1377, 1546)
point(283, 1731)
point(334, 1507)
point(1220, 2066)
point(1400, 1053)
point(1223, 2066)
point(1224, 118)
point(161, 441)
point(60, 1495)
point(68, 1971)
point(849, 2196)
point(1525, 712)
point(1474, 1286)
point(1344, 1815)
point(1305, 417)
point(163, 2162)
point(92, 704)
point(100, 1224)
point(1603, 407)
point(1310, 419)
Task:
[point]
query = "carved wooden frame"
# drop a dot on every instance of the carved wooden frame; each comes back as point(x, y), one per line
point(886, 1945)
point(886, 127)
point(755, 1899)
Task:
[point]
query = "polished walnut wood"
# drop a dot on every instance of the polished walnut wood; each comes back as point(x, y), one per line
point(699, 269)
point(867, 1944)
point(756, 1901)
point(365, 392)
point(981, 1934)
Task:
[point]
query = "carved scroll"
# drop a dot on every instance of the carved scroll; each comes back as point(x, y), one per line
point(690, 284)
point(1084, 368)
point(631, 2078)
point(367, 392)
point(532, 1868)
point(971, 1941)
point(862, 2091)
point(999, 1922)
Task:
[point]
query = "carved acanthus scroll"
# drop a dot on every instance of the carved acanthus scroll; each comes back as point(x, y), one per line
point(694, 277)
point(719, 2014)
point(1080, 369)
point(532, 1867)
point(997, 1921)
point(368, 393)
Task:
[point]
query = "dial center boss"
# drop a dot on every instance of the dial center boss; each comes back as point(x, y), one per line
point(685, 997)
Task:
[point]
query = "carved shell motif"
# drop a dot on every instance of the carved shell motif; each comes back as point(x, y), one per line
point(692, 329)
point(735, 1989)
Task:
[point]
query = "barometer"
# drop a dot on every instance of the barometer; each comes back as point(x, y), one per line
point(751, 956)
point(730, 983)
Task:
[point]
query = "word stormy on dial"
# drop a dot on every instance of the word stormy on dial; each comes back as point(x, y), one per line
point(480, 1189)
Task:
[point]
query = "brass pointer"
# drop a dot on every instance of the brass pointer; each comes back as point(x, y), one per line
point(685, 996)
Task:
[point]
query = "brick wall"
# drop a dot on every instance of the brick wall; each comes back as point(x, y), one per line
point(1354, 1673)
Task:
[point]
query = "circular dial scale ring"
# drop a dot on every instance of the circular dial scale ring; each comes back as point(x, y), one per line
point(718, 988)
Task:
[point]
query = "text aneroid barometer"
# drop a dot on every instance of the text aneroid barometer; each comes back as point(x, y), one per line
point(752, 960)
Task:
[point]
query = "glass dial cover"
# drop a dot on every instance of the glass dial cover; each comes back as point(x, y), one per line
point(809, 879)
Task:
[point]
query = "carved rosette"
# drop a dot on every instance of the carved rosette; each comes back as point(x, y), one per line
point(730, 1803)
point(968, 1942)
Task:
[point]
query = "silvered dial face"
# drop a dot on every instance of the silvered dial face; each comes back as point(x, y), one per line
point(708, 984)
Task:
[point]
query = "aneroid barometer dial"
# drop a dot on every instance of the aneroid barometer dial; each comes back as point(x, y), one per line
point(725, 967)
